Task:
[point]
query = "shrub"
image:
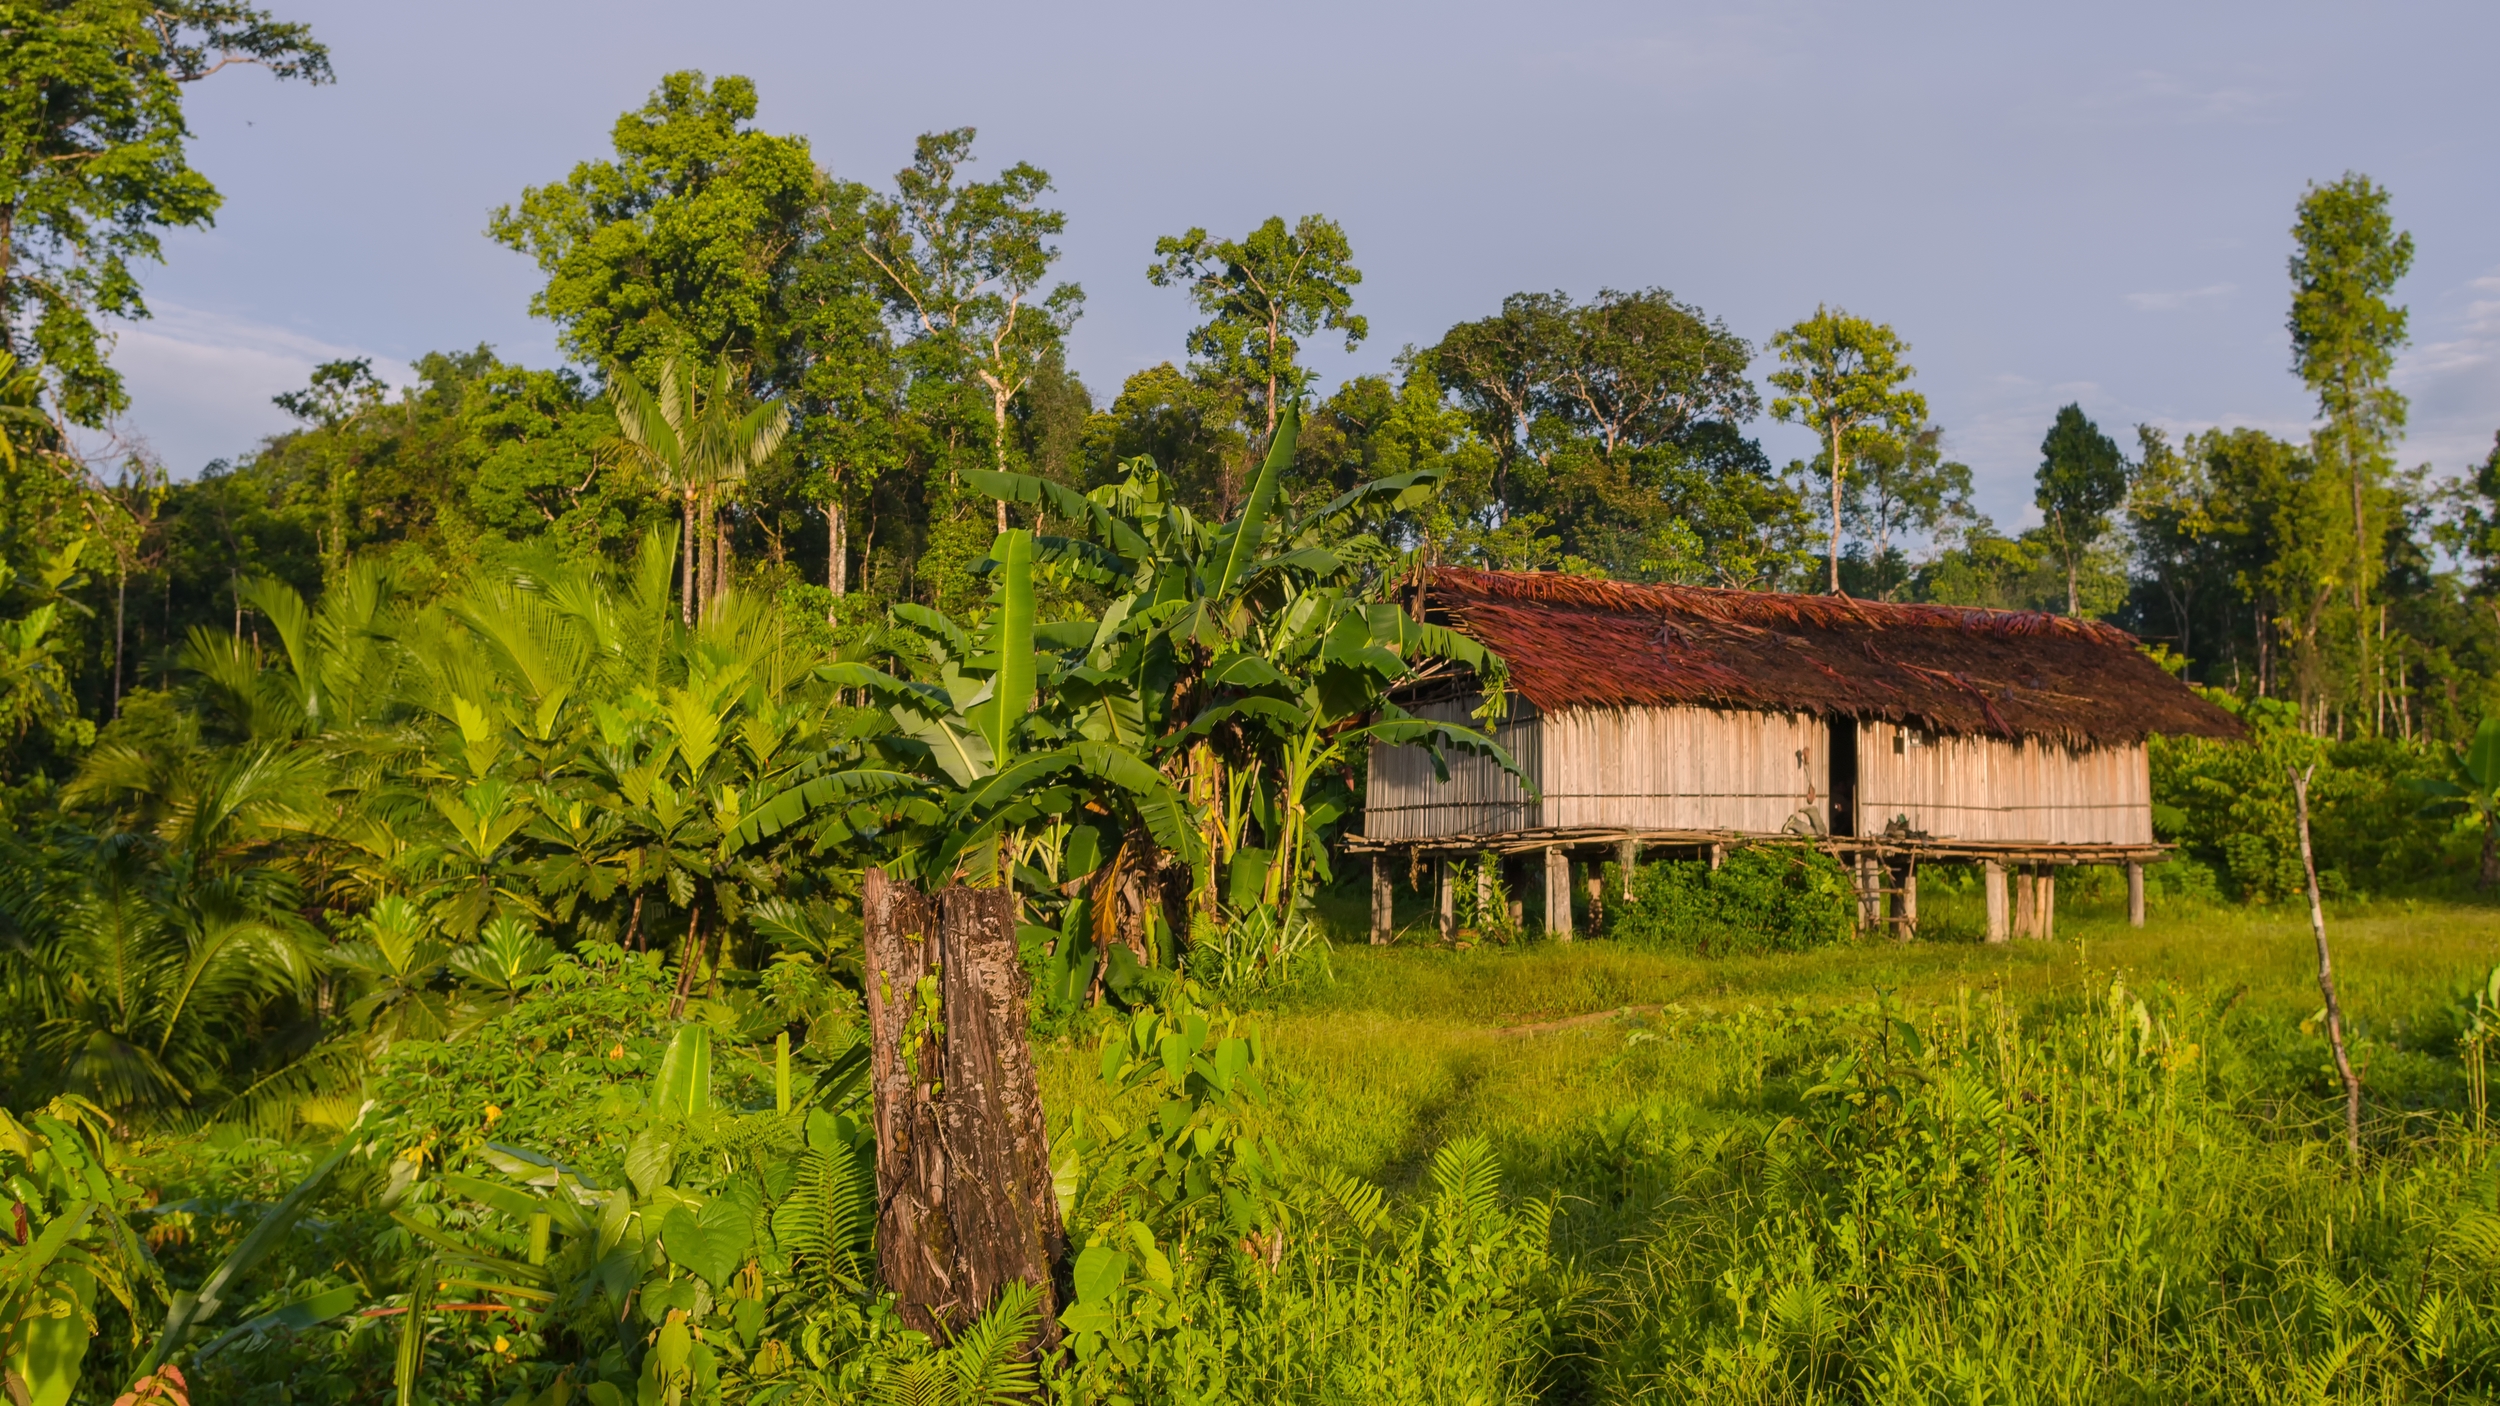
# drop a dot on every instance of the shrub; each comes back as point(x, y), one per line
point(1773, 898)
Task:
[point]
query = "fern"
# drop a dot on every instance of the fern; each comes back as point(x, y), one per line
point(827, 1222)
point(1469, 1179)
point(988, 1364)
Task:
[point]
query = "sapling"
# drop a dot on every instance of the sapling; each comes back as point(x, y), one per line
point(2326, 969)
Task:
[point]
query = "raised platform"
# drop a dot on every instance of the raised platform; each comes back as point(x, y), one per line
point(1946, 850)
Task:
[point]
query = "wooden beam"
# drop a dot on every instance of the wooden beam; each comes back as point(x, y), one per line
point(1558, 894)
point(1384, 901)
point(1992, 876)
point(2135, 895)
point(2048, 903)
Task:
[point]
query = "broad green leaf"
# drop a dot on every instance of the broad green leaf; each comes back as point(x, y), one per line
point(1251, 526)
point(710, 1243)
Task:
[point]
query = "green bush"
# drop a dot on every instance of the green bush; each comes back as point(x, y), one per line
point(1773, 898)
point(2229, 806)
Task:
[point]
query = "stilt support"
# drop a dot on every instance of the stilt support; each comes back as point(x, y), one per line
point(1558, 894)
point(1448, 905)
point(2135, 895)
point(1384, 901)
point(1993, 880)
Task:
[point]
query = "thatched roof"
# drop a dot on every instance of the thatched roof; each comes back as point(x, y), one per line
point(1571, 642)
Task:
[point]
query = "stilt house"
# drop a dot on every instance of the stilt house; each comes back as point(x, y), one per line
point(1691, 719)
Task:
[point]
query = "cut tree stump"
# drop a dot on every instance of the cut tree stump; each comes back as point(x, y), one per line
point(964, 1197)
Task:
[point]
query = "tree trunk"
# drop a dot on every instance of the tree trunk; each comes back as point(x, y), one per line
point(121, 599)
point(685, 961)
point(2326, 975)
point(686, 565)
point(1835, 556)
point(703, 556)
point(2491, 851)
point(837, 552)
point(2074, 601)
point(964, 1195)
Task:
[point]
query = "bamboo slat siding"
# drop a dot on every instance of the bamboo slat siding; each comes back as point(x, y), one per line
point(1404, 800)
point(1641, 768)
point(1685, 769)
point(1984, 789)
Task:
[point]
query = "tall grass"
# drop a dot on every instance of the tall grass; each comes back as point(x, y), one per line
point(2102, 1169)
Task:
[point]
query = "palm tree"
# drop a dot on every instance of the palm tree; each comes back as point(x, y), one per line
point(700, 441)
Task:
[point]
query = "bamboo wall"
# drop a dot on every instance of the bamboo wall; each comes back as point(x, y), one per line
point(1982, 789)
point(1641, 769)
point(1403, 800)
point(1685, 769)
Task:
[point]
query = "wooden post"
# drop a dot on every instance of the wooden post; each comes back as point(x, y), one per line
point(1384, 901)
point(1448, 905)
point(1627, 862)
point(1992, 879)
point(1596, 881)
point(1718, 856)
point(965, 1203)
point(1514, 884)
point(2135, 894)
point(1558, 894)
point(1870, 893)
point(2048, 903)
point(1905, 900)
point(1484, 891)
point(2026, 901)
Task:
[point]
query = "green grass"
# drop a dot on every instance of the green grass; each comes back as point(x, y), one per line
point(1411, 1044)
point(2178, 1209)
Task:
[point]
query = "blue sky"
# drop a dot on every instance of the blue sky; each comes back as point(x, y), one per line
point(2090, 204)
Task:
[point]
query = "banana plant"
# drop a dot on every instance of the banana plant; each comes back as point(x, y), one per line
point(1252, 644)
point(70, 1243)
point(962, 759)
point(2472, 787)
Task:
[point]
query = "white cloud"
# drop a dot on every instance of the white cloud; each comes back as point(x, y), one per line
point(200, 381)
point(2167, 302)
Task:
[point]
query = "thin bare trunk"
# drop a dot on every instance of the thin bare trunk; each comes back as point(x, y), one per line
point(685, 962)
point(1835, 507)
point(121, 600)
point(837, 552)
point(703, 555)
point(686, 565)
point(2326, 972)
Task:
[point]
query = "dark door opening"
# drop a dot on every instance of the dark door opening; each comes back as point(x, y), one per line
point(1844, 778)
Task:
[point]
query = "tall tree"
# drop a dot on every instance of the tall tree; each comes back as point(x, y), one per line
point(684, 244)
point(964, 264)
point(1262, 295)
point(94, 164)
point(1842, 376)
point(1904, 485)
point(2345, 335)
point(2081, 480)
point(1618, 423)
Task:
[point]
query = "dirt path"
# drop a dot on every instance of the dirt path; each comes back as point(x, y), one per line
point(1548, 1027)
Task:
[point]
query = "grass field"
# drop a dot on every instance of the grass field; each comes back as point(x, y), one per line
point(1406, 1046)
point(1771, 1177)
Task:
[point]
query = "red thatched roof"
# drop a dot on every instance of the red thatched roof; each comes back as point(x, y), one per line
point(1572, 642)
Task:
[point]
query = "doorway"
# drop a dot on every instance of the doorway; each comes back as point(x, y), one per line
point(1844, 777)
